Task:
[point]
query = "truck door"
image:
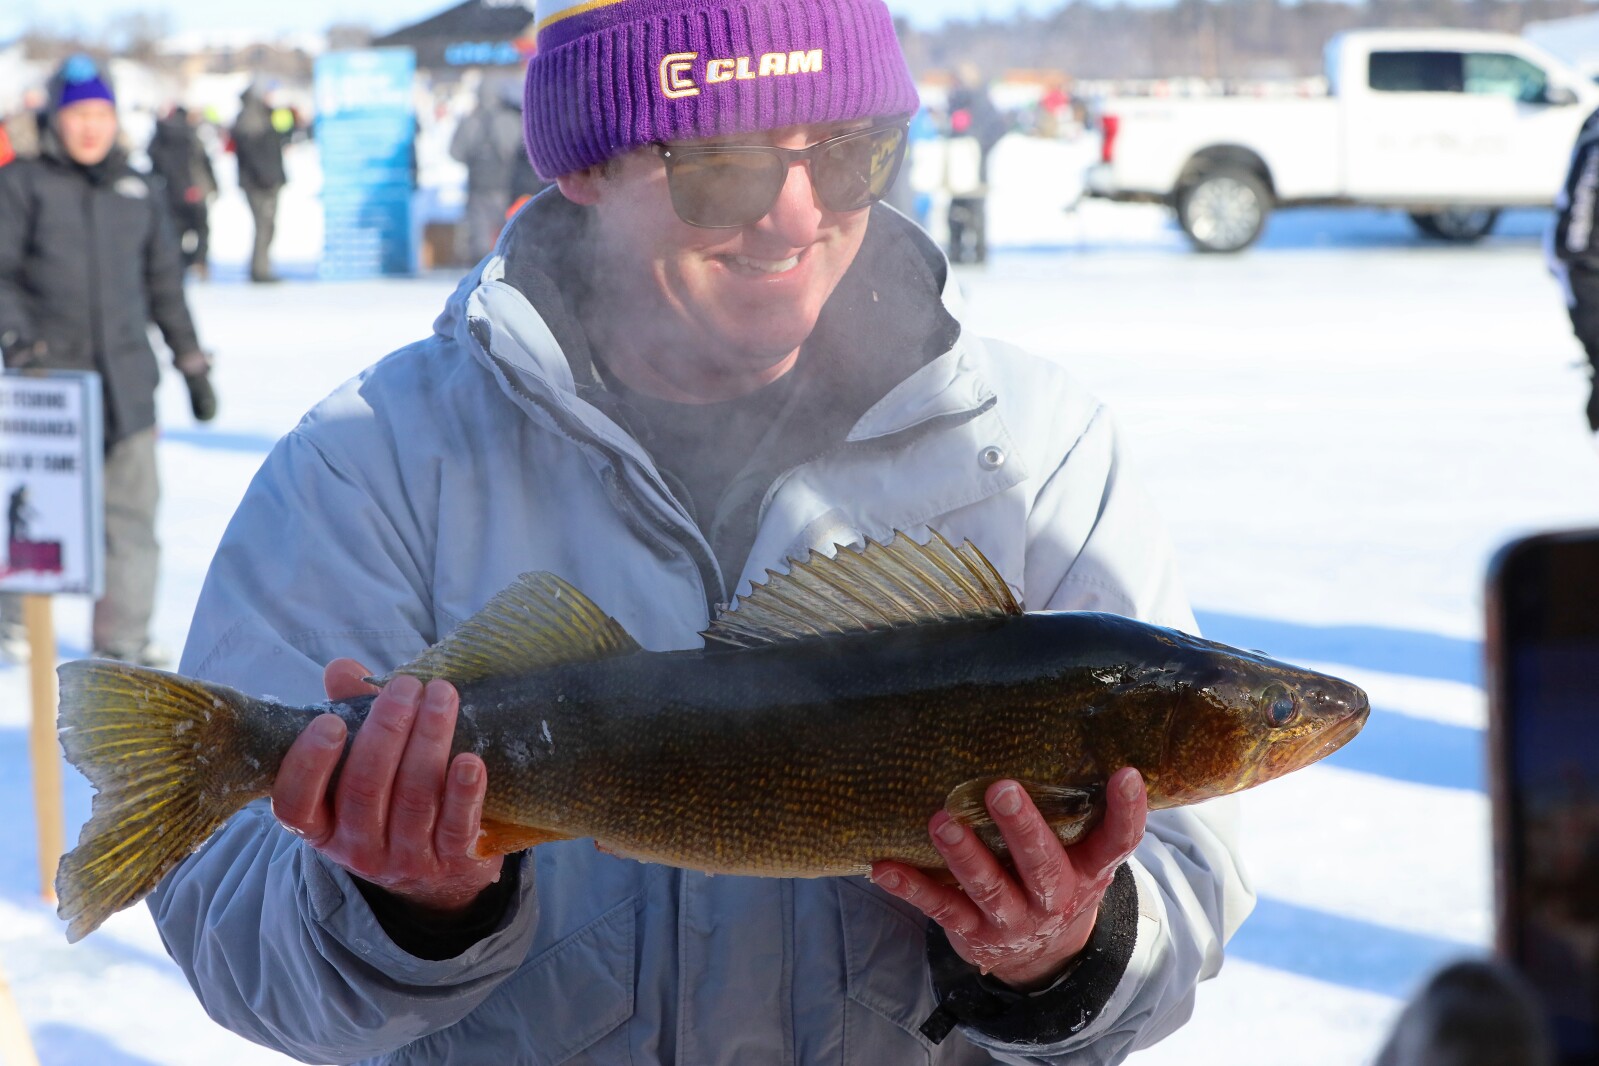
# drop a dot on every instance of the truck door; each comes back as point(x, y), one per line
point(1540, 131)
point(1413, 134)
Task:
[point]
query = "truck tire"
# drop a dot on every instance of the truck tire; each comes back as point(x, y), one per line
point(1461, 225)
point(1223, 209)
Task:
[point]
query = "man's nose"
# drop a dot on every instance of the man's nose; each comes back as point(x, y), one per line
point(797, 215)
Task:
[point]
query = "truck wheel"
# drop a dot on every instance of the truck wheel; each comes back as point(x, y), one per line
point(1459, 224)
point(1224, 209)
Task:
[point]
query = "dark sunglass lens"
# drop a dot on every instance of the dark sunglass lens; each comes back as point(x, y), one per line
point(858, 170)
point(724, 188)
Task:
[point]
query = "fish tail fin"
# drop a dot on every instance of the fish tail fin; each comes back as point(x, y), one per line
point(170, 761)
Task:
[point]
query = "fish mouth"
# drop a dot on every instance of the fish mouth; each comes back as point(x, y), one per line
point(1327, 740)
point(1339, 733)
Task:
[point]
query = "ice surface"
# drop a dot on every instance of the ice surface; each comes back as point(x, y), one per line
point(1339, 426)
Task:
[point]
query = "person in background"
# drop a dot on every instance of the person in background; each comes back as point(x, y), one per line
point(489, 143)
point(972, 114)
point(259, 148)
point(708, 351)
point(1573, 248)
point(179, 159)
point(22, 126)
point(87, 258)
point(1472, 1012)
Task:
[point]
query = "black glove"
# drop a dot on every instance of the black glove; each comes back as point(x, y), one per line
point(196, 370)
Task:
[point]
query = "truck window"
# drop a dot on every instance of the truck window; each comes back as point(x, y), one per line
point(1417, 72)
point(1498, 74)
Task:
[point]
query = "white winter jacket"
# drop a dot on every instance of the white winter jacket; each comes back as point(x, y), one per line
point(402, 502)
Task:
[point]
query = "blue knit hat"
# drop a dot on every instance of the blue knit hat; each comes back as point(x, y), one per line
point(79, 79)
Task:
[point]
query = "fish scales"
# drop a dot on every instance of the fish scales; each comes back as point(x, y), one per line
point(772, 752)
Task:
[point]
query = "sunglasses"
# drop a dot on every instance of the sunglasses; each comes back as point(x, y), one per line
point(724, 186)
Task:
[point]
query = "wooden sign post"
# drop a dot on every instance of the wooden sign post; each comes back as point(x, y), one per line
point(16, 1048)
point(42, 746)
point(52, 542)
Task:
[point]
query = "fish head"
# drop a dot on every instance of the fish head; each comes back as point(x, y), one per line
point(1240, 719)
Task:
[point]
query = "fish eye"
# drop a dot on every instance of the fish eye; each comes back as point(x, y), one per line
point(1280, 705)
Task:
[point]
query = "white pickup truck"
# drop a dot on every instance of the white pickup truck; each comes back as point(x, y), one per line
point(1449, 125)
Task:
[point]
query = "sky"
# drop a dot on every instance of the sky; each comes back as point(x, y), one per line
point(315, 15)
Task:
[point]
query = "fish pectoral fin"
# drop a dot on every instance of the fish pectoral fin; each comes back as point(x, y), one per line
point(1070, 810)
point(880, 586)
point(503, 838)
point(538, 622)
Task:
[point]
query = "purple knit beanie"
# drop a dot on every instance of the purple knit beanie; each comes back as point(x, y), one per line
point(613, 75)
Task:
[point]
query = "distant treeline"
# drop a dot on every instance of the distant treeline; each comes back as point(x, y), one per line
point(1213, 39)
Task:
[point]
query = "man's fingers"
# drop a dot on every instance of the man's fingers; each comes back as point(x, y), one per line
point(419, 782)
point(361, 799)
point(343, 679)
point(462, 813)
point(299, 792)
point(1114, 839)
point(1035, 850)
point(985, 881)
point(945, 904)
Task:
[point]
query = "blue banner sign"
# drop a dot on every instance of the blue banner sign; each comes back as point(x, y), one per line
point(364, 130)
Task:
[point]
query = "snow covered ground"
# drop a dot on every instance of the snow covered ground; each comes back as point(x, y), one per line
point(1340, 427)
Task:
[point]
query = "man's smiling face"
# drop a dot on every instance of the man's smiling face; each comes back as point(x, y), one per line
point(727, 305)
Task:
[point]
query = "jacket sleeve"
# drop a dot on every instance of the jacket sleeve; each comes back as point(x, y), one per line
point(1574, 239)
point(16, 323)
point(163, 277)
point(279, 944)
point(1095, 539)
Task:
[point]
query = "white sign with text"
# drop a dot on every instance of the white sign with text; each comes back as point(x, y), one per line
point(51, 457)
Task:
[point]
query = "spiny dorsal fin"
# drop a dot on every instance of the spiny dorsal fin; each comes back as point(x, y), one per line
point(883, 586)
point(539, 622)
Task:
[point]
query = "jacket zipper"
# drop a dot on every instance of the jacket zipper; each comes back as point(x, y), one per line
point(97, 345)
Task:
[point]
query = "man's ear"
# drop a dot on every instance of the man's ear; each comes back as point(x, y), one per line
point(582, 187)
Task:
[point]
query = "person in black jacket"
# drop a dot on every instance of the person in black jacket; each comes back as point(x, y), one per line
point(87, 258)
point(179, 159)
point(259, 148)
point(1574, 249)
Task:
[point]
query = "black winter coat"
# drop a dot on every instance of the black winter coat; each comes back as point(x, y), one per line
point(88, 258)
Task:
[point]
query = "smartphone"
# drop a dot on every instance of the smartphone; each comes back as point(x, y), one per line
point(1543, 738)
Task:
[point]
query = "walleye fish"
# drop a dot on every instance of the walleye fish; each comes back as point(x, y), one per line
point(824, 722)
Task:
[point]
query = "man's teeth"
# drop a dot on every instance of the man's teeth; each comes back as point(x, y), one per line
point(766, 266)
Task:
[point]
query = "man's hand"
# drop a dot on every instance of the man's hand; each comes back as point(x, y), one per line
point(402, 814)
point(196, 370)
point(1023, 928)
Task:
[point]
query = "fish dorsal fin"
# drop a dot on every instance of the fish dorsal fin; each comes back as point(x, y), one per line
point(538, 622)
point(882, 586)
point(1070, 811)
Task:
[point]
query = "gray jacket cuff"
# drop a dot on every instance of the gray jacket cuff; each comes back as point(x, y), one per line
point(337, 906)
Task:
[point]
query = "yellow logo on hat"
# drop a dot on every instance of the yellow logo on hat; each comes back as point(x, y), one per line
point(677, 69)
point(677, 75)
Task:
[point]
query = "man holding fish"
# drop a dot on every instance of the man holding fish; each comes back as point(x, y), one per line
point(704, 354)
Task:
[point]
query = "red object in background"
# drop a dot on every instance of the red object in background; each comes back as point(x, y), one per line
point(6, 154)
point(1109, 126)
point(516, 205)
point(960, 121)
